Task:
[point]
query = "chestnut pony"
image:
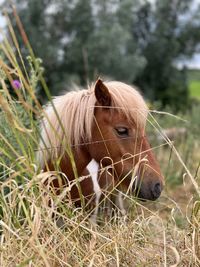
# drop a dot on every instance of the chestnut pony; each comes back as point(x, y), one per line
point(106, 123)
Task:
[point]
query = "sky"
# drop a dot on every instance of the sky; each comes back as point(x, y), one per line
point(194, 62)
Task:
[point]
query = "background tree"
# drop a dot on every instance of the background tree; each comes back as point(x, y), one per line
point(166, 32)
point(111, 49)
point(134, 41)
point(81, 40)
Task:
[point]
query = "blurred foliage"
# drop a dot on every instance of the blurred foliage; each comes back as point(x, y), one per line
point(131, 40)
point(15, 142)
point(18, 127)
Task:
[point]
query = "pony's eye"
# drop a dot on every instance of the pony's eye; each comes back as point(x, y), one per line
point(122, 131)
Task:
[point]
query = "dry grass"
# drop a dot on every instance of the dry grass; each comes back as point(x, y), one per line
point(148, 236)
point(33, 233)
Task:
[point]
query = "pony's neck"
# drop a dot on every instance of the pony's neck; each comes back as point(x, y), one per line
point(81, 160)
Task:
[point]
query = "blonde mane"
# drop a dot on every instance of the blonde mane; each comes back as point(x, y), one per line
point(71, 124)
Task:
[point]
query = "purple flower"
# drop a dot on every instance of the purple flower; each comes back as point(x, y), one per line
point(16, 84)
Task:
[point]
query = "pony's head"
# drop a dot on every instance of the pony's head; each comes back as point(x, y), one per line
point(119, 140)
point(106, 123)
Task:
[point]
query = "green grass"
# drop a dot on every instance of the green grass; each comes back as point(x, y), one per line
point(194, 88)
point(193, 76)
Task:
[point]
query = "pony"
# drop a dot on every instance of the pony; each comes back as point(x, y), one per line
point(104, 123)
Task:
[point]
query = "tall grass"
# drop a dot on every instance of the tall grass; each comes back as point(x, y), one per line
point(164, 233)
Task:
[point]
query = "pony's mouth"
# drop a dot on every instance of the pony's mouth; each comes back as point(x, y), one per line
point(142, 196)
point(146, 191)
point(151, 191)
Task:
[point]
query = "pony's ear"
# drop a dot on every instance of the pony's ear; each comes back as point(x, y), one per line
point(102, 94)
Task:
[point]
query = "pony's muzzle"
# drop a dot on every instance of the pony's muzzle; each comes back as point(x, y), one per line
point(148, 191)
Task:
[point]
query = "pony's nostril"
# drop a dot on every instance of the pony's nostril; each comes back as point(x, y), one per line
point(156, 190)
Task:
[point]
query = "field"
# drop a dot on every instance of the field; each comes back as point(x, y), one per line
point(195, 89)
point(193, 75)
point(194, 83)
point(34, 233)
